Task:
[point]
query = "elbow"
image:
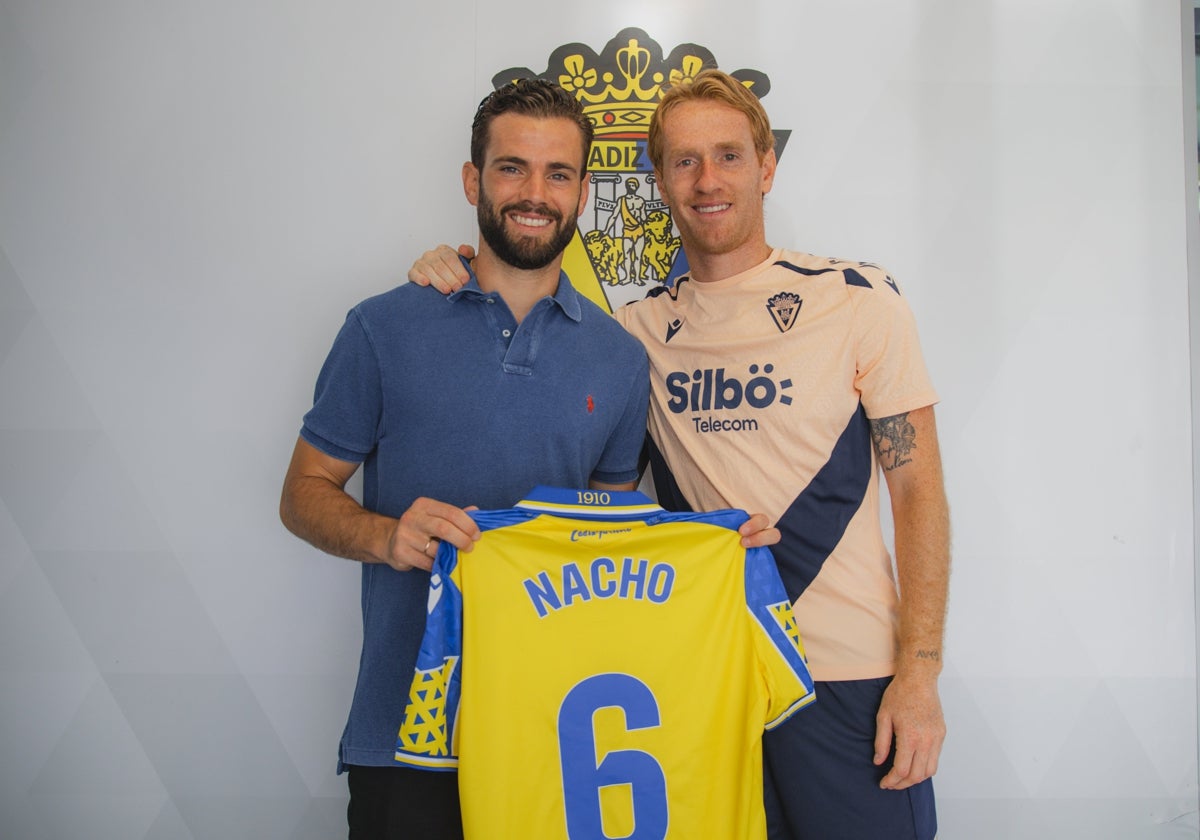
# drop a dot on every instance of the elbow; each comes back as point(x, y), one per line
point(287, 510)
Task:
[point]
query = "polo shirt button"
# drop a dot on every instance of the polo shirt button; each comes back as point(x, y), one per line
point(507, 333)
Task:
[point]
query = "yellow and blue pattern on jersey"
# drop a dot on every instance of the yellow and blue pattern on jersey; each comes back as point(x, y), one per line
point(425, 735)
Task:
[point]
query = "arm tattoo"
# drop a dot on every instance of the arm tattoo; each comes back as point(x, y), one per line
point(934, 654)
point(895, 439)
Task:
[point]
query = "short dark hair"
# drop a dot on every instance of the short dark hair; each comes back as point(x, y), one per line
point(531, 98)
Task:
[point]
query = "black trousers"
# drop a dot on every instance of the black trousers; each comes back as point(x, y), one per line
point(403, 803)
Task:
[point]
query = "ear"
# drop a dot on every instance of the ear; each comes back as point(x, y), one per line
point(768, 171)
point(470, 179)
point(662, 187)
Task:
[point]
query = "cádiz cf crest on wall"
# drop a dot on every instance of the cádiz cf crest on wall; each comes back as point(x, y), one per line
point(626, 241)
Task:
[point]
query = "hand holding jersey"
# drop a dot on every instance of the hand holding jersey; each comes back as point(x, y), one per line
point(631, 657)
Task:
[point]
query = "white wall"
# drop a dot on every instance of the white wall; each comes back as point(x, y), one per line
point(192, 195)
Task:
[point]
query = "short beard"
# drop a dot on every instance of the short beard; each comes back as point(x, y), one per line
point(525, 253)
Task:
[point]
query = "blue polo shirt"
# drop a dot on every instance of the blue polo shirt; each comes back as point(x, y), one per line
point(448, 397)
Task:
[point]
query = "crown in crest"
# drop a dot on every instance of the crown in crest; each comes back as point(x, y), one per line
point(621, 86)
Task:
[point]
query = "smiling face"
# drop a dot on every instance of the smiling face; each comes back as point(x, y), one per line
point(530, 190)
point(714, 181)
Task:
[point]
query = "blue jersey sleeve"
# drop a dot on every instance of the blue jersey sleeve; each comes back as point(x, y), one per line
point(781, 654)
point(427, 732)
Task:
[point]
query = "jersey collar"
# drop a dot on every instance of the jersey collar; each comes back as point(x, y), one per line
point(588, 504)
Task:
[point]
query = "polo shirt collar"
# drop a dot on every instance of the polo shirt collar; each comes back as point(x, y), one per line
point(565, 296)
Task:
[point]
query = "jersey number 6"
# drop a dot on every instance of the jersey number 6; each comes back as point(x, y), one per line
point(585, 772)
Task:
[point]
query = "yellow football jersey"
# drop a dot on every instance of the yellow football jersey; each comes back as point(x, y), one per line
point(596, 667)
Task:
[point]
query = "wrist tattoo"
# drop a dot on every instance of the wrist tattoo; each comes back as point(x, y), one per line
point(895, 439)
point(934, 654)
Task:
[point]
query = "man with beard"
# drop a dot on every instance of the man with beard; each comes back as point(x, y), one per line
point(469, 400)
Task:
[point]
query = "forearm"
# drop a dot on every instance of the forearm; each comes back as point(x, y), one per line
point(910, 715)
point(909, 454)
point(323, 514)
point(922, 539)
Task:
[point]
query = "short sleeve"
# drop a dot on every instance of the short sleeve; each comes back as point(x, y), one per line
point(348, 401)
point(779, 649)
point(890, 371)
point(427, 737)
